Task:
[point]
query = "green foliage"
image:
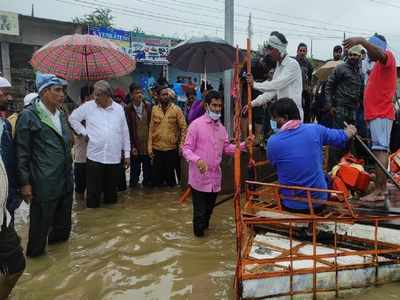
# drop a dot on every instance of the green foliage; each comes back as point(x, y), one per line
point(100, 17)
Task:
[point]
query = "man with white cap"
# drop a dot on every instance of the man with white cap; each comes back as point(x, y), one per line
point(287, 79)
point(12, 261)
point(379, 110)
point(7, 149)
point(43, 143)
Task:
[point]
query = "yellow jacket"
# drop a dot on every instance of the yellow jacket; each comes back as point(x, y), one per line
point(167, 130)
point(13, 121)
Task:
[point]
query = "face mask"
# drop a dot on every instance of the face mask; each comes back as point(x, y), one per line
point(214, 116)
point(274, 125)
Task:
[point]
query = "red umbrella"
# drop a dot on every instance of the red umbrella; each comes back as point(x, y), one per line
point(82, 57)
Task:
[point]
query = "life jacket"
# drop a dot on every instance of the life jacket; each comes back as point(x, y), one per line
point(351, 172)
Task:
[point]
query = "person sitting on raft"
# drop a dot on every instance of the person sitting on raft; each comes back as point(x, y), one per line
point(295, 150)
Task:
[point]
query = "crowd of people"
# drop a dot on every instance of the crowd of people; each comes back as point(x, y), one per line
point(47, 153)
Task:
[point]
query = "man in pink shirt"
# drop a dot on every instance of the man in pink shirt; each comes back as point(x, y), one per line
point(205, 142)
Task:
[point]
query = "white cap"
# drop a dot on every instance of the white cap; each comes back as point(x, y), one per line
point(4, 83)
point(29, 97)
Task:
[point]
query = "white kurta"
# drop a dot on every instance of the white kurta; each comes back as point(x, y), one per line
point(286, 83)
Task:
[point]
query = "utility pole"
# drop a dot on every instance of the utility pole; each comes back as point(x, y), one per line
point(311, 49)
point(229, 13)
point(33, 11)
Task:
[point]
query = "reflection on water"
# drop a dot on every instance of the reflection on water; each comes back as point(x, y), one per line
point(142, 248)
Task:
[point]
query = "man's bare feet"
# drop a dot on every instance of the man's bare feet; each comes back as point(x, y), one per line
point(374, 199)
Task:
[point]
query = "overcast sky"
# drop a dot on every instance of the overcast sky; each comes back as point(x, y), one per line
point(322, 21)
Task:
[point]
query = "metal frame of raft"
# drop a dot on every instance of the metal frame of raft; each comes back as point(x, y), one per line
point(262, 208)
point(369, 250)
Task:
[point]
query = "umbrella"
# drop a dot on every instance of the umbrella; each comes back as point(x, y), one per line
point(82, 57)
point(202, 55)
point(323, 72)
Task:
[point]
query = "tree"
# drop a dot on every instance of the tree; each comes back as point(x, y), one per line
point(100, 17)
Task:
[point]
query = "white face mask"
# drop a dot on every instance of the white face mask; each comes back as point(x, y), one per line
point(214, 116)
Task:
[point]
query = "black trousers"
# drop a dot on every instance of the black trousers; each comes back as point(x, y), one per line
point(12, 258)
point(50, 221)
point(139, 162)
point(102, 179)
point(178, 167)
point(80, 177)
point(121, 185)
point(164, 164)
point(203, 205)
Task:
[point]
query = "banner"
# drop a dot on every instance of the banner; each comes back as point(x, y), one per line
point(149, 50)
point(120, 37)
point(9, 23)
point(145, 49)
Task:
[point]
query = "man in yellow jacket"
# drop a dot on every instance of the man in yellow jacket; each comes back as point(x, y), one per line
point(166, 135)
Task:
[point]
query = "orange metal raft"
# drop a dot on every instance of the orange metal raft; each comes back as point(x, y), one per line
point(283, 254)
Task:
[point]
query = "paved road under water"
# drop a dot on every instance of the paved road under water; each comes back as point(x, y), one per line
point(142, 248)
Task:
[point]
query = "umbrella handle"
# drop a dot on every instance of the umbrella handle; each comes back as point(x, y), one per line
point(205, 77)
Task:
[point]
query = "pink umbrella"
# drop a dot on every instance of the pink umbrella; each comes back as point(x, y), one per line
point(82, 57)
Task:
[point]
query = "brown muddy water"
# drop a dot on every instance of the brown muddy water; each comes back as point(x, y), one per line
point(142, 248)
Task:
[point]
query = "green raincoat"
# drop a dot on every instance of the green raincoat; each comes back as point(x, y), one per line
point(44, 157)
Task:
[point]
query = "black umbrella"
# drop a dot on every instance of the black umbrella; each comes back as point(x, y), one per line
point(202, 55)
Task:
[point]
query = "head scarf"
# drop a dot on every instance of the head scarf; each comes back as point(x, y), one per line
point(171, 93)
point(46, 80)
point(356, 50)
point(376, 41)
point(4, 83)
point(119, 92)
point(275, 42)
point(29, 98)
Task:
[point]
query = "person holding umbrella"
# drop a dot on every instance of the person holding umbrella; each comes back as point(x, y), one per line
point(205, 143)
point(287, 78)
point(44, 165)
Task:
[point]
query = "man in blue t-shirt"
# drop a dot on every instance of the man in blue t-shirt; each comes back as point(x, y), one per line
point(296, 151)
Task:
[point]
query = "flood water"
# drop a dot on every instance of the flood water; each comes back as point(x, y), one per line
point(142, 248)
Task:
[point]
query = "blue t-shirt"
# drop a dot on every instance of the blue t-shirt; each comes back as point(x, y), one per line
point(297, 156)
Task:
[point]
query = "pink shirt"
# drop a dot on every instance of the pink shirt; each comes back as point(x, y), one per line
point(206, 140)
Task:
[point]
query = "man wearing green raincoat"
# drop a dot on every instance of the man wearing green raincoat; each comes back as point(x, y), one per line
point(43, 144)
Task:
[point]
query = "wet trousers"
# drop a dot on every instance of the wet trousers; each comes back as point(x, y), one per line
point(50, 221)
point(101, 179)
point(203, 205)
point(164, 164)
point(138, 162)
point(80, 177)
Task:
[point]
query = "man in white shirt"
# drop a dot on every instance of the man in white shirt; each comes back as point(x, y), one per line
point(108, 136)
point(287, 79)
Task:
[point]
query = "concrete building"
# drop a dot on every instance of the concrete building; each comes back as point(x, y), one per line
point(17, 48)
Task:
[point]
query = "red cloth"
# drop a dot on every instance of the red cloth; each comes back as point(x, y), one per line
point(380, 90)
point(119, 92)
